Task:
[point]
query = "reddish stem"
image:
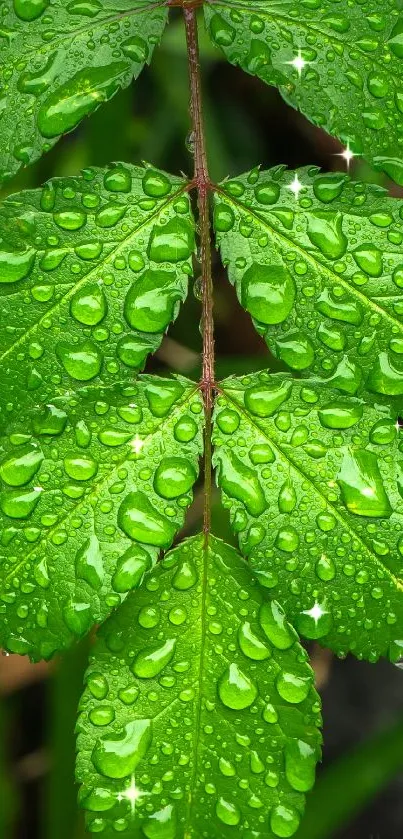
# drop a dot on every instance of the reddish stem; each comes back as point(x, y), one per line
point(202, 183)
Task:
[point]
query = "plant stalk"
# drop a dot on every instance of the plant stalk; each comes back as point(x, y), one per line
point(202, 184)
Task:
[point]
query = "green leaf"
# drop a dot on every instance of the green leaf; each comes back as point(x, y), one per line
point(199, 714)
point(92, 270)
point(340, 65)
point(93, 486)
point(314, 483)
point(321, 274)
point(61, 61)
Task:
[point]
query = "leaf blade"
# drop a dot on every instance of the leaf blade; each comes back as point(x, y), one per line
point(107, 255)
point(332, 65)
point(314, 499)
point(87, 53)
point(93, 487)
point(148, 781)
point(319, 273)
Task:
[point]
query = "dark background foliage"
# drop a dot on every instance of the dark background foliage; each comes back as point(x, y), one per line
point(360, 792)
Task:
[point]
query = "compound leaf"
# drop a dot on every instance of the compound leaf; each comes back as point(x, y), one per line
point(92, 271)
point(341, 66)
point(320, 271)
point(60, 61)
point(314, 483)
point(93, 486)
point(199, 714)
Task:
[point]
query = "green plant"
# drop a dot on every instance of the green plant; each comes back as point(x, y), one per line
point(199, 713)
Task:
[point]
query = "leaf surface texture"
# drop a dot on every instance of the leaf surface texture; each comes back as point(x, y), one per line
point(199, 716)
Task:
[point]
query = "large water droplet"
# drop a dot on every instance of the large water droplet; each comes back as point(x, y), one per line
point(293, 688)
point(88, 305)
point(150, 302)
point(81, 361)
point(251, 645)
point(275, 626)
point(300, 761)
point(118, 755)
point(161, 825)
point(143, 523)
point(150, 661)
point(156, 184)
point(325, 230)
point(340, 414)
point(80, 467)
point(361, 485)
point(30, 9)
point(235, 689)
point(345, 310)
point(174, 477)
point(15, 265)
point(385, 377)
point(18, 469)
point(264, 400)
point(268, 293)
point(78, 97)
point(130, 569)
point(227, 812)
point(172, 242)
point(240, 481)
point(89, 563)
point(284, 821)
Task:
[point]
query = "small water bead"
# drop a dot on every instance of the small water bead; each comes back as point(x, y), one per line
point(268, 293)
point(143, 523)
point(118, 755)
point(235, 689)
point(88, 305)
point(150, 661)
point(227, 812)
point(174, 477)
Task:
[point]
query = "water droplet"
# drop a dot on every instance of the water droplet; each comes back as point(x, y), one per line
point(156, 184)
point(118, 755)
point(345, 310)
point(267, 193)
point(240, 482)
point(30, 9)
point(251, 645)
point(88, 305)
point(227, 812)
point(79, 97)
point(275, 626)
point(287, 498)
point(329, 187)
point(221, 31)
point(185, 429)
point(18, 469)
point(102, 715)
point(369, 258)
point(130, 569)
point(143, 523)
point(161, 825)
point(293, 688)
point(224, 218)
point(284, 821)
point(235, 689)
point(300, 761)
point(264, 400)
point(172, 242)
point(325, 230)
point(15, 265)
point(174, 477)
point(118, 179)
point(186, 576)
point(162, 395)
point(361, 485)
point(80, 467)
point(340, 414)
point(81, 361)
point(268, 293)
point(150, 661)
point(19, 504)
point(385, 377)
point(150, 302)
point(89, 563)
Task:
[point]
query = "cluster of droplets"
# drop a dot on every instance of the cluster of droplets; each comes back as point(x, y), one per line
point(55, 80)
point(352, 60)
point(314, 485)
point(91, 489)
point(241, 768)
point(105, 261)
point(321, 275)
